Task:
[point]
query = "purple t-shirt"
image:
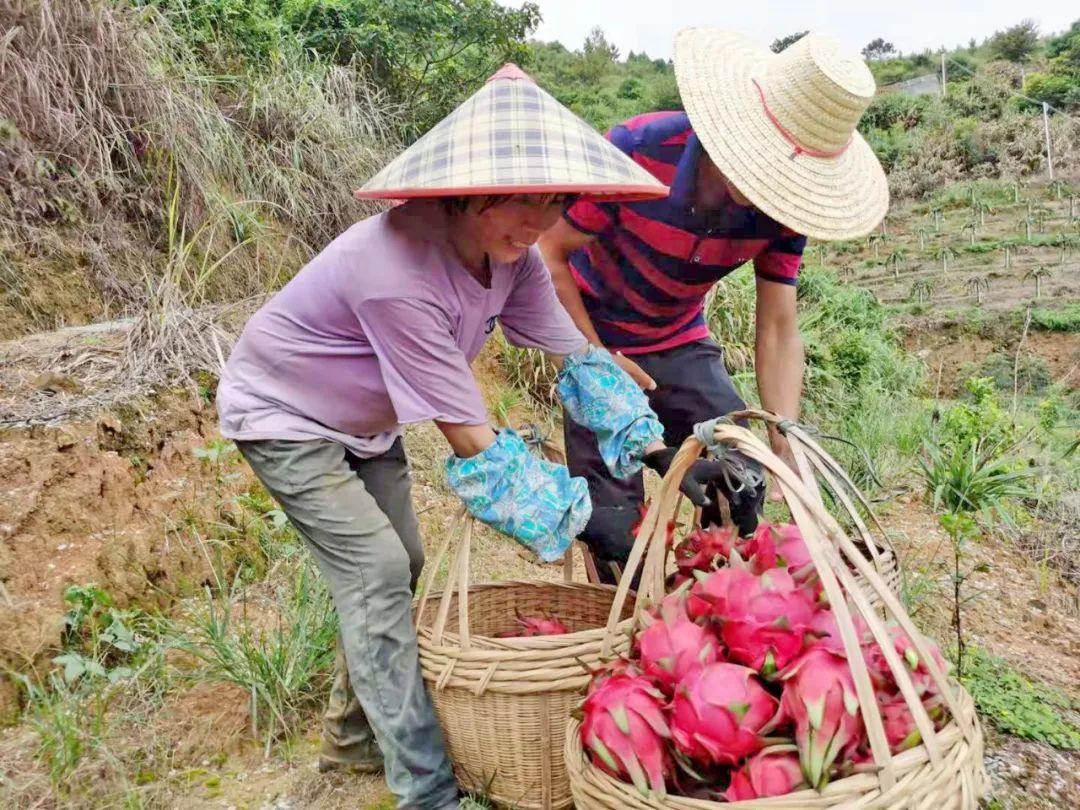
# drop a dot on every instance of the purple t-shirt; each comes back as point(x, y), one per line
point(378, 331)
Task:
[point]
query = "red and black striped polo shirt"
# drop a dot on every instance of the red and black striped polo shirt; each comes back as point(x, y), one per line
point(644, 278)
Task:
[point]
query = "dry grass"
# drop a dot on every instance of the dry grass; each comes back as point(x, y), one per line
point(106, 116)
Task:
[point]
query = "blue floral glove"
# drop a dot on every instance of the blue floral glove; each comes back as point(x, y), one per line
point(600, 396)
point(512, 490)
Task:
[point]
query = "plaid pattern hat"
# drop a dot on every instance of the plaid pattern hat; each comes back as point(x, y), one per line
point(511, 137)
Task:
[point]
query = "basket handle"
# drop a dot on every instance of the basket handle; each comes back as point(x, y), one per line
point(458, 579)
point(829, 547)
point(649, 551)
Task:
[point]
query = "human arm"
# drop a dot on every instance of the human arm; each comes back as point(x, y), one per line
point(556, 245)
point(427, 378)
point(779, 357)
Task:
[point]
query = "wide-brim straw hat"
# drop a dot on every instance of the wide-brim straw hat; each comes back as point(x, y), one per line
point(782, 127)
point(511, 137)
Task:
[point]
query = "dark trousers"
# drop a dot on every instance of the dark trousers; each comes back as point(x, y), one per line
point(692, 385)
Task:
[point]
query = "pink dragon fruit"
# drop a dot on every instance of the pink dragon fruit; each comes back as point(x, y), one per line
point(884, 679)
point(882, 675)
point(760, 549)
point(530, 626)
point(764, 619)
point(819, 695)
point(825, 628)
point(768, 773)
point(792, 553)
point(711, 590)
point(719, 714)
point(900, 728)
point(702, 549)
point(616, 666)
point(671, 644)
point(623, 729)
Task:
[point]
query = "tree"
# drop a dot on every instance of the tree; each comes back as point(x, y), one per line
point(878, 49)
point(894, 260)
point(1026, 224)
point(937, 214)
point(922, 289)
point(598, 56)
point(1016, 44)
point(970, 226)
point(978, 285)
point(427, 56)
point(1037, 274)
point(1008, 255)
point(981, 208)
point(945, 253)
point(874, 240)
point(786, 42)
point(1040, 217)
point(1066, 242)
point(922, 232)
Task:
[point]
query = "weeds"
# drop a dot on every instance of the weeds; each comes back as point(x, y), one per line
point(282, 660)
point(69, 720)
point(1019, 706)
point(1066, 319)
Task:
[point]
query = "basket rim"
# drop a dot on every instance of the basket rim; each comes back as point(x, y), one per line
point(516, 645)
point(949, 736)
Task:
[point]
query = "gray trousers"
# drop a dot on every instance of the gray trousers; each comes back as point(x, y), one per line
point(357, 519)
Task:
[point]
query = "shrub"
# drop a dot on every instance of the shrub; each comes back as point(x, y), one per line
point(1032, 374)
point(1066, 319)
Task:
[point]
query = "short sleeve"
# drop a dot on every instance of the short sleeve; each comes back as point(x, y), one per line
point(425, 373)
point(781, 259)
point(591, 217)
point(533, 317)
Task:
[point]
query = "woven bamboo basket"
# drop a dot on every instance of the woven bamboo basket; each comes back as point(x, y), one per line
point(503, 703)
point(823, 475)
point(945, 772)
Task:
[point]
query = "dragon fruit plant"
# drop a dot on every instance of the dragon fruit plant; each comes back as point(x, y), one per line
point(738, 685)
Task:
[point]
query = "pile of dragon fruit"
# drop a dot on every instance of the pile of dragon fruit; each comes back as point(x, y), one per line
point(738, 686)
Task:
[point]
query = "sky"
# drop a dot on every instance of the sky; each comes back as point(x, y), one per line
point(911, 25)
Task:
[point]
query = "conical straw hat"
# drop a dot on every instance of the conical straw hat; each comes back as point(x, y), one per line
point(511, 137)
point(781, 127)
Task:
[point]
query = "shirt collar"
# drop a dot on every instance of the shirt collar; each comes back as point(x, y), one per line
point(684, 186)
point(685, 182)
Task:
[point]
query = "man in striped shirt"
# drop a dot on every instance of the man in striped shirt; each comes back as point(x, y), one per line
point(634, 276)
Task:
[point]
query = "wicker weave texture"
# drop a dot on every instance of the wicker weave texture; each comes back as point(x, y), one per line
point(954, 784)
point(503, 704)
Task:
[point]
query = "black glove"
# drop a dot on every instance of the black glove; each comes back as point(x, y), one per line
point(701, 474)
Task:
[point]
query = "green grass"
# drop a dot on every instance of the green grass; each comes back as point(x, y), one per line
point(1017, 705)
point(282, 657)
point(1066, 319)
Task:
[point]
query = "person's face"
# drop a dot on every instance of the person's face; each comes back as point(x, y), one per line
point(715, 186)
point(506, 230)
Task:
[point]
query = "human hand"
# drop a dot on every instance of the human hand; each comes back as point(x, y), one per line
point(636, 372)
